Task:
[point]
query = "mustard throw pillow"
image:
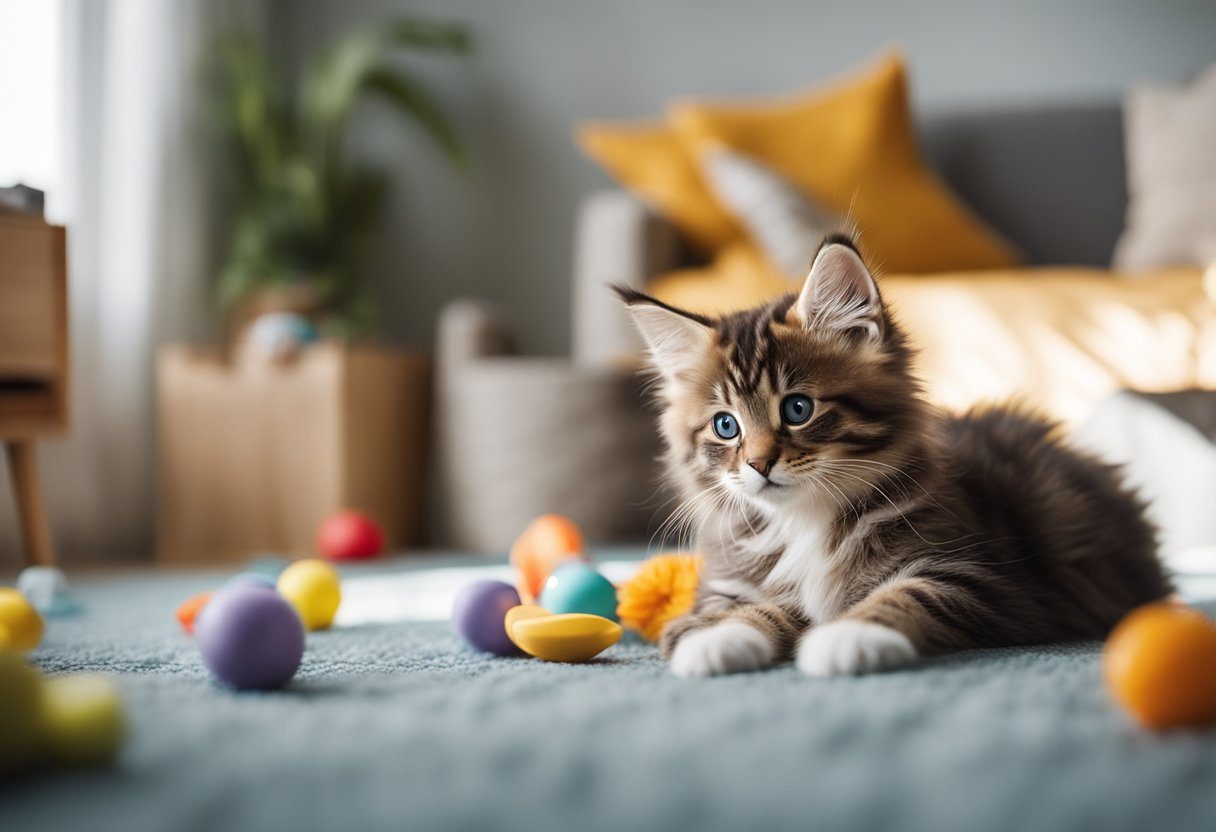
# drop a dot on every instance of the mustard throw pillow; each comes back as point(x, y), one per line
point(853, 148)
point(739, 277)
point(651, 161)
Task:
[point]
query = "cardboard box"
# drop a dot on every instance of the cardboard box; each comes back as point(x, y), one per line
point(255, 454)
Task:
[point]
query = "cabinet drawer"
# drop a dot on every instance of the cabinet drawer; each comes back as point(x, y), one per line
point(29, 299)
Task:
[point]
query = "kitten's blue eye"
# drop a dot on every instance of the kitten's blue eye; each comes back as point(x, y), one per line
point(726, 426)
point(796, 409)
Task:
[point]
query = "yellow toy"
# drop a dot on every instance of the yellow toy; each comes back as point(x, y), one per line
point(663, 589)
point(20, 619)
point(67, 720)
point(314, 588)
point(83, 718)
point(523, 612)
point(572, 637)
point(20, 715)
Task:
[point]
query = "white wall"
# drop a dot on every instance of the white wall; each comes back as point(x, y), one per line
point(540, 66)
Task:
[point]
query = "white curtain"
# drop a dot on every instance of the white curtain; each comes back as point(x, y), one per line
point(135, 202)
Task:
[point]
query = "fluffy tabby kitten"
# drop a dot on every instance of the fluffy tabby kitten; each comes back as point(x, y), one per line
point(850, 526)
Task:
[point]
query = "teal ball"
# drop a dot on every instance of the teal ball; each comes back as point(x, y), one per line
point(576, 587)
point(269, 565)
point(256, 578)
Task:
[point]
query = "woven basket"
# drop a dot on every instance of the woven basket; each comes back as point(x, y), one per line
point(520, 437)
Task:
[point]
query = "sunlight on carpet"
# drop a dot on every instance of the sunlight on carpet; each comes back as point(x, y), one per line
point(427, 595)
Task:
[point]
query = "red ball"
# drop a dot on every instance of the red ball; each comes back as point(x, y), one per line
point(350, 535)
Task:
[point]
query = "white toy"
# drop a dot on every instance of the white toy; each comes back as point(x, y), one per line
point(46, 588)
point(280, 335)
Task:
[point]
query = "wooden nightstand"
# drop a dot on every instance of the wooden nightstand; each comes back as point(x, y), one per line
point(33, 361)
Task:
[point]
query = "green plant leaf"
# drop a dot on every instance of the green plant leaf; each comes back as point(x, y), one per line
point(334, 81)
point(361, 200)
point(428, 34)
point(300, 210)
point(252, 116)
point(413, 100)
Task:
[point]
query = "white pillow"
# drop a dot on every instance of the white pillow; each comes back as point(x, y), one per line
point(1171, 176)
point(782, 220)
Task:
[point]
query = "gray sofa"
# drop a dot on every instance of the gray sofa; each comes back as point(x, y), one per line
point(1051, 179)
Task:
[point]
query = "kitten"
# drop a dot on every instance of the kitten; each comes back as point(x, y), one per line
point(847, 524)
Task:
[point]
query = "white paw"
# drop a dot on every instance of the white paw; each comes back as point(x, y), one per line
point(729, 647)
point(847, 648)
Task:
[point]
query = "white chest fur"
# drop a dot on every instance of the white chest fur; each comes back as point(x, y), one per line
point(807, 573)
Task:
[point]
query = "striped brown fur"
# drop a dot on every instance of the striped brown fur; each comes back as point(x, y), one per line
point(884, 529)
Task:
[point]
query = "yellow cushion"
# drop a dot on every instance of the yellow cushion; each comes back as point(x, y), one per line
point(738, 278)
point(1059, 339)
point(852, 147)
point(650, 161)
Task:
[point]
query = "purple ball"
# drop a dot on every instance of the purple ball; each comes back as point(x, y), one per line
point(478, 616)
point(250, 638)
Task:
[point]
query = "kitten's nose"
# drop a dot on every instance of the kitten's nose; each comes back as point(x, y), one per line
point(762, 466)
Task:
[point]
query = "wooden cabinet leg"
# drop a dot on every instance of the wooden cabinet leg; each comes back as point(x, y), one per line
point(31, 510)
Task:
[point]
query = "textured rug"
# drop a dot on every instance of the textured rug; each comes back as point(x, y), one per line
point(397, 726)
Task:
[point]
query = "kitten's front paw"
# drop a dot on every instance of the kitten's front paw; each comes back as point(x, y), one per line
point(728, 647)
point(846, 648)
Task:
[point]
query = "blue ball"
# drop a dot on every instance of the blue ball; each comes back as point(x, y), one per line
point(576, 587)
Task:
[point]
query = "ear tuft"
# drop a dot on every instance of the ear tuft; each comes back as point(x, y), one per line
point(678, 340)
point(840, 293)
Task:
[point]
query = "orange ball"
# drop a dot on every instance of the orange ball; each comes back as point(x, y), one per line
point(549, 541)
point(1160, 664)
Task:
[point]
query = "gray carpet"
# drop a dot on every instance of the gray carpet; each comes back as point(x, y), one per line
point(398, 727)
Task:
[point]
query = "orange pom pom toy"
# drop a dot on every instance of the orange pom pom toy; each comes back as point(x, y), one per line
point(190, 608)
point(1160, 664)
point(662, 590)
point(549, 541)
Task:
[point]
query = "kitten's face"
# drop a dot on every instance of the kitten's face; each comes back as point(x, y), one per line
point(802, 398)
point(778, 406)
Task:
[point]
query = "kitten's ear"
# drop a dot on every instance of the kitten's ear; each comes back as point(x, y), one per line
point(840, 293)
point(678, 340)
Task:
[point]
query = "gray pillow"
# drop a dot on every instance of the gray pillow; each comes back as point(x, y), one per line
point(780, 218)
point(1171, 175)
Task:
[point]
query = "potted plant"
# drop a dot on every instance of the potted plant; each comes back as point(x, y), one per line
point(255, 454)
point(302, 210)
